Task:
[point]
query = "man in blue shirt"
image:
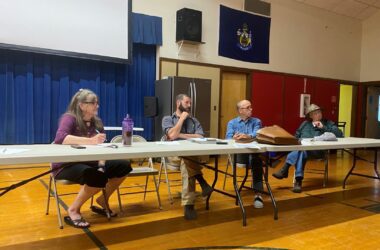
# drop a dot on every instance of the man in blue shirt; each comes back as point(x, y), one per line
point(244, 128)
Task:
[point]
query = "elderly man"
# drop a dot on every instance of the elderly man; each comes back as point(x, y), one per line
point(244, 128)
point(315, 125)
point(179, 126)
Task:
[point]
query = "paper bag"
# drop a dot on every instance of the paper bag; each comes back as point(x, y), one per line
point(275, 135)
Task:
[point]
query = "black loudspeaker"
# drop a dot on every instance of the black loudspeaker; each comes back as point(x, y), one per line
point(150, 106)
point(189, 25)
point(257, 6)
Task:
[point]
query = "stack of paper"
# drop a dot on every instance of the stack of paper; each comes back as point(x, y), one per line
point(204, 140)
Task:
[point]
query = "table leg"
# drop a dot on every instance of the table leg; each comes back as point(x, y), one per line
point(375, 164)
point(240, 202)
point(267, 164)
point(249, 166)
point(352, 168)
point(216, 161)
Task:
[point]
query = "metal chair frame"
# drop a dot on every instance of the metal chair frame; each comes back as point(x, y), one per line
point(167, 172)
point(54, 193)
point(141, 170)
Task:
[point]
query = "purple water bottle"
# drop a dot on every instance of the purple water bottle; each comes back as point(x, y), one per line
point(127, 126)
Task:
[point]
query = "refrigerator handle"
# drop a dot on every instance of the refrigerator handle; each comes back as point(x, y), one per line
point(191, 94)
point(194, 98)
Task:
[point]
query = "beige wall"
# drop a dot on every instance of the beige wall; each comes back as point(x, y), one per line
point(168, 69)
point(371, 49)
point(304, 40)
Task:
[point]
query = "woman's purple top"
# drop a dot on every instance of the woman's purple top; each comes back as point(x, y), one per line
point(68, 126)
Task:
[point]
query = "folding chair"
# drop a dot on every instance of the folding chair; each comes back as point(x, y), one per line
point(325, 160)
point(54, 193)
point(230, 163)
point(165, 161)
point(140, 170)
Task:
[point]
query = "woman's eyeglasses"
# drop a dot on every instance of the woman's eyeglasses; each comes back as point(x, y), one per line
point(93, 103)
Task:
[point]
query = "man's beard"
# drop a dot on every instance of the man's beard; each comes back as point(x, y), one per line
point(183, 109)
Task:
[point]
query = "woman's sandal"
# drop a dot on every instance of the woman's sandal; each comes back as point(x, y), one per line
point(78, 223)
point(102, 211)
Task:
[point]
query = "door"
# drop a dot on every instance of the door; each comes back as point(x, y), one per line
point(373, 115)
point(233, 89)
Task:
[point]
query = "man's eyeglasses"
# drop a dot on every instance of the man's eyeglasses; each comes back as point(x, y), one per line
point(249, 107)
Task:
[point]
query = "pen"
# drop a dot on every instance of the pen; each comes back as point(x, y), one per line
point(98, 132)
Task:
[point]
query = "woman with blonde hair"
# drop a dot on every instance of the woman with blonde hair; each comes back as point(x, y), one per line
point(81, 125)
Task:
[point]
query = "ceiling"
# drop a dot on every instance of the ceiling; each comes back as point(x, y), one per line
point(358, 9)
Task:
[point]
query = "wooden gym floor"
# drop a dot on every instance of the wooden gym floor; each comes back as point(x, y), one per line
point(318, 218)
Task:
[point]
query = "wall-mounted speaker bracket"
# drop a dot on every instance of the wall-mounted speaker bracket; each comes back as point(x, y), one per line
point(191, 45)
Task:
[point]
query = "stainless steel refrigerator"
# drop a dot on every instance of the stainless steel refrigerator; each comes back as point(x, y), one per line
point(199, 91)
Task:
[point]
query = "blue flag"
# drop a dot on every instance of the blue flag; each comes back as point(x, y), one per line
point(243, 36)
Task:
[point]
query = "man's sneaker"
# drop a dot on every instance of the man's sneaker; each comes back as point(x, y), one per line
point(172, 167)
point(258, 202)
point(240, 165)
point(189, 212)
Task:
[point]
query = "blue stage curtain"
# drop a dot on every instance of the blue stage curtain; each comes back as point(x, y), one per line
point(147, 29)
point(35, 90)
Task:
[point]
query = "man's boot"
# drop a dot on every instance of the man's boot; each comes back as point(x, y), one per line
point(297, 185)
point(189, 212)
point(283, 172)
point(206, 188)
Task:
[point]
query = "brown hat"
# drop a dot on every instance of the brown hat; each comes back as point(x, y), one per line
point(312, 108)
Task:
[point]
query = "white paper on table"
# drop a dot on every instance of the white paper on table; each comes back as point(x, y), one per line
point(204, 140)
point(252, 145)
point(101, 145)
point(306, 141)
point(170, 143)
point(10, 151)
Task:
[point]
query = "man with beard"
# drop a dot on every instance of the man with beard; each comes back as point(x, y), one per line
point(181, 126)
point(244, 128)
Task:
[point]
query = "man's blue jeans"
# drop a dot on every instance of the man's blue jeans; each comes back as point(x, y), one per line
point(299, 158)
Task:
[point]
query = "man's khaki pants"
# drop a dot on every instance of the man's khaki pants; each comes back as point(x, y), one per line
point(189, 169)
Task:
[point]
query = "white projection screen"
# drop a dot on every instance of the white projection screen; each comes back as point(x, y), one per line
point(91, 29)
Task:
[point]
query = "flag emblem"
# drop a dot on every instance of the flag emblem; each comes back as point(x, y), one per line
point(244, 37)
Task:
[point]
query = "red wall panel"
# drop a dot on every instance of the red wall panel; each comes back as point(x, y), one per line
point(326, 95)
point(294, 87)
point(267, 98)
point(276, 98)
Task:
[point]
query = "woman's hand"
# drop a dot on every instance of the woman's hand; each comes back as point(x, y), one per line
point(98, 138)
